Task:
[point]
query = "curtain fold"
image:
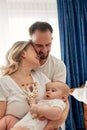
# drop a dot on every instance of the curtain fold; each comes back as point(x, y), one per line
point(73, 41)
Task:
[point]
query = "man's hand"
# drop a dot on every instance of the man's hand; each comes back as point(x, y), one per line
point(52, 125)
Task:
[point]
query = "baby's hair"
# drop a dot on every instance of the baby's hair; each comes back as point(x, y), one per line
point(63, 86)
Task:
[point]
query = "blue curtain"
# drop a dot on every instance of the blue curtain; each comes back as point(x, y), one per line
point(72, 16)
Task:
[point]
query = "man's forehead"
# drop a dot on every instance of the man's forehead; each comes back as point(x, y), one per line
point(42, 32)
point(39, 36)
point(41, 44)
point(33, 38)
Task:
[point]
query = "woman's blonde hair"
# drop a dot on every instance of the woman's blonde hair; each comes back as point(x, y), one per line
point(14, 57)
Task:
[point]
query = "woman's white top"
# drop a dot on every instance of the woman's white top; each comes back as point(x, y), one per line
point(17, 104)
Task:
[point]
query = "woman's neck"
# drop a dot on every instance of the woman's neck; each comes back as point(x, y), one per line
point(22, 76)
point(24, 71)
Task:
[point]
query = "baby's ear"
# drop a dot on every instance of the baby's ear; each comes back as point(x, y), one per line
point(65, 97)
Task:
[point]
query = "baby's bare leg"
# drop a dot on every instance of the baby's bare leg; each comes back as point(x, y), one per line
point(19, 128)
point(11, 121)
point(2, 124)
point(7, 122)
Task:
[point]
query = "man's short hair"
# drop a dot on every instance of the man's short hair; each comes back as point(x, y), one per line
point(41, 26)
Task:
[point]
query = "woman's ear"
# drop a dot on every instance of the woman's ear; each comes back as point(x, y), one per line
point(23, 54)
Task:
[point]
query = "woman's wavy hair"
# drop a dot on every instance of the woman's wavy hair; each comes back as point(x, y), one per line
point(13, 57)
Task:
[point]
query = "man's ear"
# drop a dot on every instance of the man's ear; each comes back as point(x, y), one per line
point(65, 97)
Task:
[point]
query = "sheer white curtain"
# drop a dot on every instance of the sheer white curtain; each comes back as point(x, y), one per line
point(17, 15)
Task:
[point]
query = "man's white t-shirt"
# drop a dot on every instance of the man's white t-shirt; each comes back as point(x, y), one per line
point(54, 69)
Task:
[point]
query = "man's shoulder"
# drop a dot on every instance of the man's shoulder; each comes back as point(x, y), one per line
point(55, 60)
point(38, 74)
point(53, 57)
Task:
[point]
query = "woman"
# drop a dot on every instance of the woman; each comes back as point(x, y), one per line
point(18, 76)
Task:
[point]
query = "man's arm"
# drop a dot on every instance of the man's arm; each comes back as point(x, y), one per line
point(51, 125)
point(51, 113)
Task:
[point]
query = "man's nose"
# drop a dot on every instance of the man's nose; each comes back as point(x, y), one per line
point(44, 49)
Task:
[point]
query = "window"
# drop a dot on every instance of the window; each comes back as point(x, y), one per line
point(17, 15)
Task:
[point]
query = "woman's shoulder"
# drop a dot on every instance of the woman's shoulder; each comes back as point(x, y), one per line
point(3, 82)
point(38, 73)
point(4, 79)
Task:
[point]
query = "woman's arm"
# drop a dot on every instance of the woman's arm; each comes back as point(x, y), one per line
point(2, 108)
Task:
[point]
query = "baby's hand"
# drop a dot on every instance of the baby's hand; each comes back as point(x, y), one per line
point(33, 109)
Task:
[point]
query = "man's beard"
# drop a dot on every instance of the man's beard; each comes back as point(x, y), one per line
point(43, 57)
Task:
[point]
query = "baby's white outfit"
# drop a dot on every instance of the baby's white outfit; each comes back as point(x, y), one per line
point(35, 124)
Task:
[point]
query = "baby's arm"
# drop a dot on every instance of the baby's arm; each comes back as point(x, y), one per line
point(51, 113)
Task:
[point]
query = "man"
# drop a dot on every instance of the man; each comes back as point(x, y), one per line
point(54, 69)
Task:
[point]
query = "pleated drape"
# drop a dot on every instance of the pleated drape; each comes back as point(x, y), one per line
point(72, 15)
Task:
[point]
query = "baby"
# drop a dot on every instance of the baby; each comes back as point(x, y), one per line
point(50, 107)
